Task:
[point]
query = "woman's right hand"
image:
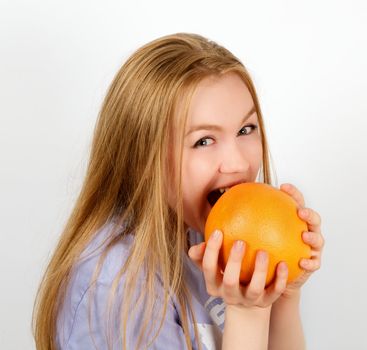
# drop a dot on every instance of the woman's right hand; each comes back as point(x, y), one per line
point(227, 284)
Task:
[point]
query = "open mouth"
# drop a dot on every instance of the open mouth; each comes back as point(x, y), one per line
point(213, 196)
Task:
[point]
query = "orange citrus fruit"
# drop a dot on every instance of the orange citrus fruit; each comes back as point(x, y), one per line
point(265, 218)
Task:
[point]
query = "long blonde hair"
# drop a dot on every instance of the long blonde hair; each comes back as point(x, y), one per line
point(147, 103)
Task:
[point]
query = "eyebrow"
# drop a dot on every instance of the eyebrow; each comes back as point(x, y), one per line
point(218, 127)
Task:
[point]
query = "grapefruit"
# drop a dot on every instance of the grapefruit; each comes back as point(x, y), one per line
point(265, 218)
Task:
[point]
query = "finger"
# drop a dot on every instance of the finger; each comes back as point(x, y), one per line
point(231, 276)
point(312, 218)
point(310, 265)
point(314, 239)
point(210, 268)
point(196, 253)
point(257, 284)
point(279, 285)
point(294, 193)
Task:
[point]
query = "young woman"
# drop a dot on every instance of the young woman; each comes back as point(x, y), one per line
point(181, 119)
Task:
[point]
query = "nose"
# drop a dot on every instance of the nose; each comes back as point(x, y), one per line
point(234, 160)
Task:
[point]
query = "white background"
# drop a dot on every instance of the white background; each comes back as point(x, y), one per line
point(308, 61)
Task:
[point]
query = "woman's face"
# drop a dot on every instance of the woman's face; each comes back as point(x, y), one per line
point(222, 145)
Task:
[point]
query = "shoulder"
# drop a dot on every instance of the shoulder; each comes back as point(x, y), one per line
point(83, 271)
point(83, 319)
point(86, 295)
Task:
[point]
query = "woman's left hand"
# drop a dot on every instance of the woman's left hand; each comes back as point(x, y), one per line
point(312, 237)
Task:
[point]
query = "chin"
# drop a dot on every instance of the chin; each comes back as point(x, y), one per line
point(196, 222)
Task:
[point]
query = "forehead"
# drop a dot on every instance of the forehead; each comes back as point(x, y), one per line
point(224, 97)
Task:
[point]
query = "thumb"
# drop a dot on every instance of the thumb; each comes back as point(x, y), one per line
point(196, 253)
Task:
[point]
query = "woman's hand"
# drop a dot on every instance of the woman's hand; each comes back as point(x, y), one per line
point(313, 238)
point(227, 284)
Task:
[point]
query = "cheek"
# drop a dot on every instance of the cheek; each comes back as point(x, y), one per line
point(194, 162)
point(194, 170)
point(195, 176)
point(254, 152)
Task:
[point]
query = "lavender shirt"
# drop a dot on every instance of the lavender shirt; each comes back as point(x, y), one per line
point(72, 324)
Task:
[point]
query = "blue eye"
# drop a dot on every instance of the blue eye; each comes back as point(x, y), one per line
point(246, 130)
point(243, 131)
point(203, 142)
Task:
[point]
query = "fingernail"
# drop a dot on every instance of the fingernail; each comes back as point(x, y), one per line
point(262, 255)
point(238, 246)
point(216, 234)
point(283, 266)
point(304, 212)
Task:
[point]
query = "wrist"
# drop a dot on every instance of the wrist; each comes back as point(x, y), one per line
point(248, 309)
point(246, 327)
point(287, 301)
point(252, 312)
point(285, 323)
point(291, 294)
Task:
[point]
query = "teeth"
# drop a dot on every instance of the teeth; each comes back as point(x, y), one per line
point(222, 190)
